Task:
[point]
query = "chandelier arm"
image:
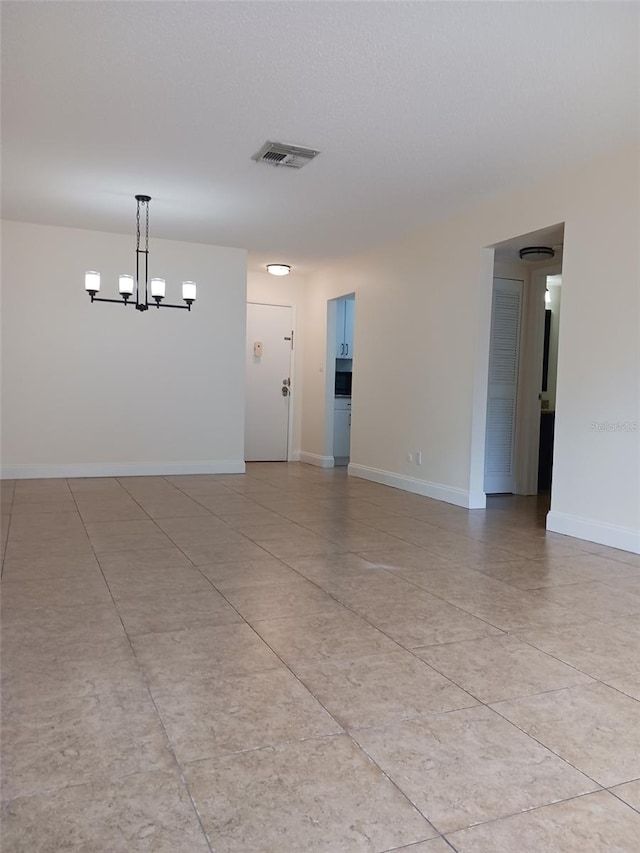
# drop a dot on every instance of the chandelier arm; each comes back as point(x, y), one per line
point(118, 301)
point(142, 306)
point(168, 305)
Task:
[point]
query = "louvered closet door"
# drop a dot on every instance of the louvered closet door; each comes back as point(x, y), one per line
point(503, 385)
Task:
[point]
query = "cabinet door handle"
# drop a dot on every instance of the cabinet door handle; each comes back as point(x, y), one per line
point(347, 346)
point(341, 349)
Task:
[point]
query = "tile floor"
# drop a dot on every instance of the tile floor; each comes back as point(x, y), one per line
point(291, 661)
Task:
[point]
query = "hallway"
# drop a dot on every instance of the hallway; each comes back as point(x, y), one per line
point(292, 660)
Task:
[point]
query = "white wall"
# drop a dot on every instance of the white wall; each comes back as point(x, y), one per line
point(103, 389)
point(285, 290)
point(421, 343)
point(412, 382)
point(275, 289)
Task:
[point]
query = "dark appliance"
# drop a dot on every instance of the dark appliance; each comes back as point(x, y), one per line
point(343, 383)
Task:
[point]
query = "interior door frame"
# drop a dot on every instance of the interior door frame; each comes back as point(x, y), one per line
point(292, 369)
point(330, 381)
point(330, 366)
point(486, 272)
point(527, 444)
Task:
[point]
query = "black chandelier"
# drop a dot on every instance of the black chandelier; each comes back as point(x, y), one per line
point(126, 282)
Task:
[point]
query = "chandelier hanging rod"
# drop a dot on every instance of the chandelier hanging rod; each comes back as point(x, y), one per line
point(125, 281)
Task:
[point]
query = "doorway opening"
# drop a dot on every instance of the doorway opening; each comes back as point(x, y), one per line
point(523, 358)
point(340, 354)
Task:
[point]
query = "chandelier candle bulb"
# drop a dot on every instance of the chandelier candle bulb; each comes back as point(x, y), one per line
point(92, 281)
point(189, 291)
point(125, 285)
point(158, 288)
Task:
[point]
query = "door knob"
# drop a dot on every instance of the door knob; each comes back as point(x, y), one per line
point(285, 391)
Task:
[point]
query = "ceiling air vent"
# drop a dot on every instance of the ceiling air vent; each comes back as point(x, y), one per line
point(278, 154)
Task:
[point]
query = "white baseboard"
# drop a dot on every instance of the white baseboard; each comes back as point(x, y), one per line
point(477, 500)
point(295, 456)
point(624, 538)
point(120, 469)
point(459, 497)
point(315, 459)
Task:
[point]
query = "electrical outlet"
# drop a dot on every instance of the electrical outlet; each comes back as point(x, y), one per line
point(418, 455)
point(409, 457)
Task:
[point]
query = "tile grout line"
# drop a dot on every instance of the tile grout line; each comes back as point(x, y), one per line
point(253, 500)
point(516, 556)
point(306, 688)
point(614, 794)
point(529, 811)
point(6, 541)
point(168, 744)
point(479, 701)
point(505, 633)
point(411, 651)
point(347, 732)
point(483, 704)
point(343, 731)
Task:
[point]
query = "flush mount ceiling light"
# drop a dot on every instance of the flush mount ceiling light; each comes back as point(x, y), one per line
point(536, 253)
point(126, 282)
point(279, 269)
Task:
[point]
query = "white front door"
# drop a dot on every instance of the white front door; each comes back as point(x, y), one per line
point(504, 351)
point(268, 372)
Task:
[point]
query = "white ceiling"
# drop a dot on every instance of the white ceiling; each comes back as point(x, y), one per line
point(419, 110)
